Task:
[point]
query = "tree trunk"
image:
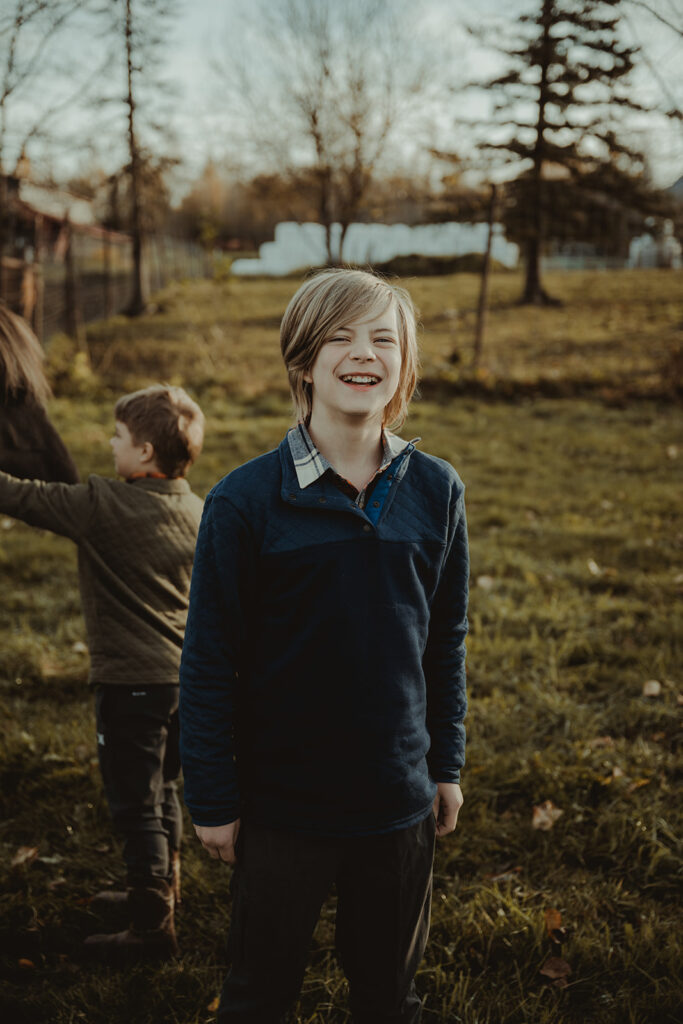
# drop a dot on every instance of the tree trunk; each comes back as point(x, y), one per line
point(74, 320)
point(325, 213)
point(534, 293)
point(482, 308)
point(138, 300)
point(342, 237)
point(108, 303)
point(4, 221)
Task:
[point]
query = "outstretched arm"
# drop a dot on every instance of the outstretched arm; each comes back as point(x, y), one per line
point(61, 508)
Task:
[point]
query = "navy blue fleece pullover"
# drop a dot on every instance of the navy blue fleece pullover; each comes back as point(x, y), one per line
point(323, 669)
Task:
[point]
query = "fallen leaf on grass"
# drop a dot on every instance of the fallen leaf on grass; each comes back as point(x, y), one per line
point(508, 875)
point(600, 741)
point(28, 740)
point(486, 582)
point(638, 784)
point(558, 970)
point(27, 965)
point(25, 855)
point(593, 567)
point(617, 773)
point(545, 815)
point(78, 647)
point(553, 923)
point(50, 669)
point(652, 688)
point(213, 1005)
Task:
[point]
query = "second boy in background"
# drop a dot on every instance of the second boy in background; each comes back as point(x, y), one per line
point(136, 540)
point(323, 672)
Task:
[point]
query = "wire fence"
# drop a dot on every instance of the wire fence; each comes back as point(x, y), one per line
point(90, 277)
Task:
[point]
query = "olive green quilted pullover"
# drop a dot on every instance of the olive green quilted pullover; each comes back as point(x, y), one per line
point(136, 543)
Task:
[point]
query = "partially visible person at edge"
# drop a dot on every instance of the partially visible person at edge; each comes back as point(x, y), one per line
point(136, 540)
point(29, 444)
point(323, 671)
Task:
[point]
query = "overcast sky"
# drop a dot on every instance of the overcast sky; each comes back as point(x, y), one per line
point(659, 81)
point(201, 127)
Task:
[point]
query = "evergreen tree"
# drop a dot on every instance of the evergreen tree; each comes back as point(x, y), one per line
point(569, 70)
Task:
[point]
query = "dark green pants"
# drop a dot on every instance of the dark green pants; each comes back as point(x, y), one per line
point(281, 879)
point(137, 745)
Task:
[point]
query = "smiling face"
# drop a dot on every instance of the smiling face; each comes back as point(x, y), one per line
point(357, 369)
point(129, 457)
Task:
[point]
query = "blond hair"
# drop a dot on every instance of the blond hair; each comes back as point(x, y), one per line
point(21, 359)
point(170, 420)
point(328, 301)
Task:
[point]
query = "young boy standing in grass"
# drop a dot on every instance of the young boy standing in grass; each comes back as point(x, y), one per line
point(136, 542)
point(323, 671)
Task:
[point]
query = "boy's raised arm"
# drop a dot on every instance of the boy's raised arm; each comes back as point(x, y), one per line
point(212, 654)
point(61, 508)
point(444, 659)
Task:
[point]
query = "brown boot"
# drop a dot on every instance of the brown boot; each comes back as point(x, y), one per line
point(175, 875)
point(111, 906)
point(151, 932)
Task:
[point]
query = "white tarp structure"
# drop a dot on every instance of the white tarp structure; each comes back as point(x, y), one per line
point(665, 251)
point(298, 246)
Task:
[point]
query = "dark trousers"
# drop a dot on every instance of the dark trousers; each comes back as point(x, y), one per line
point(137, 744)
point(384, 886)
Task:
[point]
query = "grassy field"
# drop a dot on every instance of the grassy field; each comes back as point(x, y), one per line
point(570, 442)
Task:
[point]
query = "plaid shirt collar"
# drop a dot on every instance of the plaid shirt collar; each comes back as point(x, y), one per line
point(310, 464)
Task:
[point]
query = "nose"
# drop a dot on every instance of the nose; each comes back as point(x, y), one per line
point(362, 349)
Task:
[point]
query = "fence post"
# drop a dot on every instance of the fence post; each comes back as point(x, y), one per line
point(107, 277)
point(74, 321)
point(482, 308)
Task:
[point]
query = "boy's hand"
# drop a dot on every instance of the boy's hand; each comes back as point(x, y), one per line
point(219, 840)
point(447, 803)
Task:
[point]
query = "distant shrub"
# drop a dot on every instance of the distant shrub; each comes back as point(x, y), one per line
point(428, 266)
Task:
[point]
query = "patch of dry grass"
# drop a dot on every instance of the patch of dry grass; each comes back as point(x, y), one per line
point(576, 540)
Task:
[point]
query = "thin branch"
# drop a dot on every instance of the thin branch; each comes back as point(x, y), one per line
point(657, 15)
point(51, 111)
point(675, 111)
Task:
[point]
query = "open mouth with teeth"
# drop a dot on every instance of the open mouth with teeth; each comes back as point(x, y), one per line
point(361, 379)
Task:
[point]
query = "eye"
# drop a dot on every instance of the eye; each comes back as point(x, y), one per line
point(385, 341)
point(337, 339)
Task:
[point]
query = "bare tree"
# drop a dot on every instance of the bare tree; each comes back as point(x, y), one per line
point(332, 82)
point(664, 18)
point(140, 31)
point(35, 85)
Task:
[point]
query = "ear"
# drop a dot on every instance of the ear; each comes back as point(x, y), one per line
point(307, 378)
point(147, 452)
